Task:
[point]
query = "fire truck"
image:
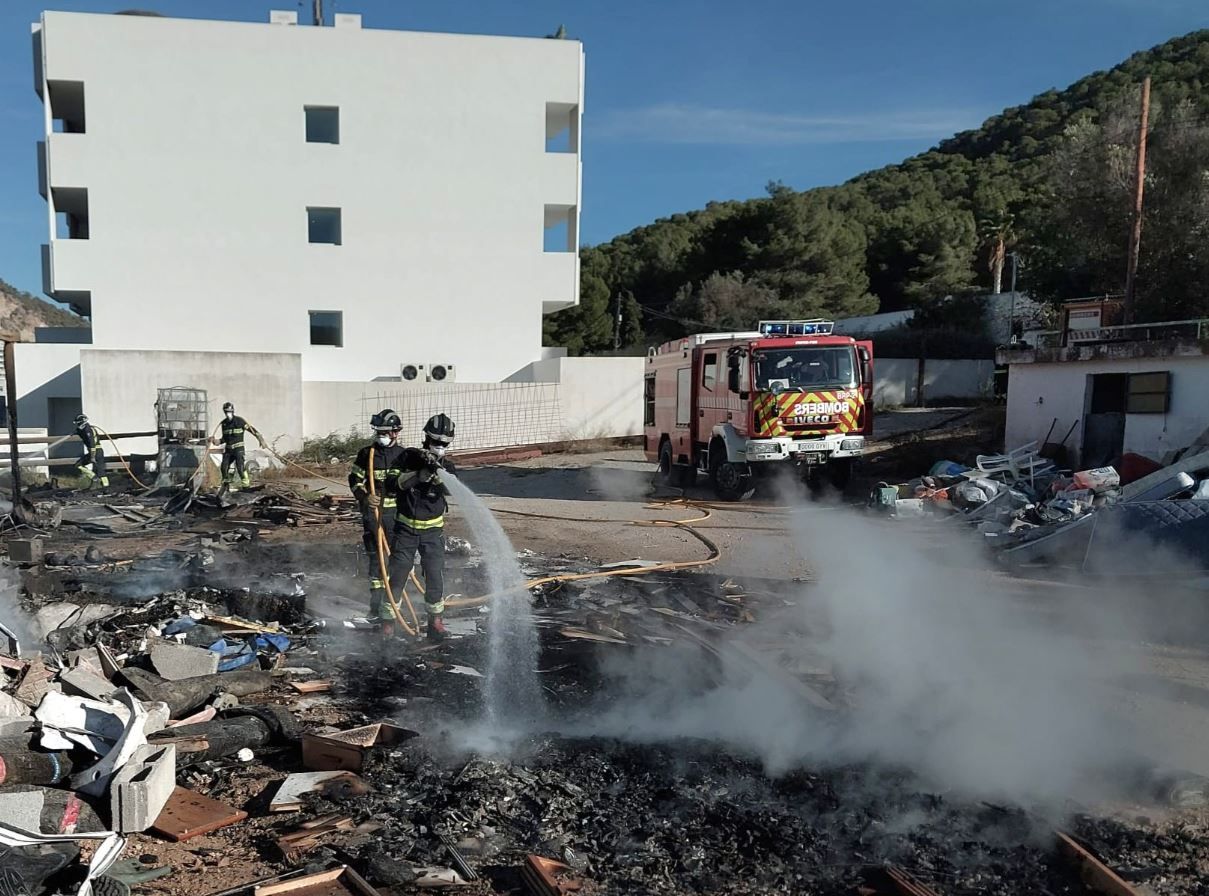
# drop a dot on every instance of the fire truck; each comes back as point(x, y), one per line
point(788, 396)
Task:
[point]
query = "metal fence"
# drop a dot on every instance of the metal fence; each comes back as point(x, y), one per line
point(487, 415)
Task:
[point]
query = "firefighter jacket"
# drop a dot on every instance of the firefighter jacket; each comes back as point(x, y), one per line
point(386, 473)
point(422, 505)
point(233, 430)
point(89, 437)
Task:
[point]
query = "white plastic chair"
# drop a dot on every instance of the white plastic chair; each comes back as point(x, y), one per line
point(1016, 464)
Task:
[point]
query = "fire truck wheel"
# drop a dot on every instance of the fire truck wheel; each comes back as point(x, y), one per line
point(731, 481)
point(666, 467)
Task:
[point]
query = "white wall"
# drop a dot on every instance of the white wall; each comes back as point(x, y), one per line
point(44, 371)
point(896, 380)
point(553, 400)
point(199, 177)
point(1039, 393)
point(120, 387)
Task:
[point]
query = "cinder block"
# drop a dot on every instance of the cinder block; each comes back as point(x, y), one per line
point(176, 662)
point(26, 550)
point(83, 682)
point(140, 789)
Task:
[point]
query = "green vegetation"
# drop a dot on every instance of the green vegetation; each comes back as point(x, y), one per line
point(340, 446)
point(1050, 180)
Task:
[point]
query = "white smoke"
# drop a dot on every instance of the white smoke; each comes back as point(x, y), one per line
point(977, 685)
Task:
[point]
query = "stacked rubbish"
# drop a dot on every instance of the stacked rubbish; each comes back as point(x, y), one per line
point(98, 721)
point(1031, 511)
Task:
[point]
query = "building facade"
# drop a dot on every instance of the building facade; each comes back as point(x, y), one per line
point(1137, 390)
point(367, 199)
point(303, 220)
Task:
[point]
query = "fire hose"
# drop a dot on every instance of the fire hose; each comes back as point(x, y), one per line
point(670, 566)
point(118, 452)
point(384, 552)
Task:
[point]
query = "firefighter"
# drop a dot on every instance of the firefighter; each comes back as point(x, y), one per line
point(233, 428)
point(378, 509)
point(91, 465)
point(420, 518)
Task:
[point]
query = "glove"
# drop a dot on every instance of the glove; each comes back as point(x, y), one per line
point(263, 443)
point(429, 474)
point(373, 501)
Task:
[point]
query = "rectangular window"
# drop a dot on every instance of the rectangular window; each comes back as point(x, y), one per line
point(1149, 393)
point(327, 328)
point(709, 371)
point(684, 396)
point(562, 127)
point(648, 400)
point(71, 212)
point(66, 106)
point(323, 225)
point(322, 124)
point(562, 228)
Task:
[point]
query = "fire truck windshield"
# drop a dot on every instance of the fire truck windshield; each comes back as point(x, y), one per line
point(782, 369)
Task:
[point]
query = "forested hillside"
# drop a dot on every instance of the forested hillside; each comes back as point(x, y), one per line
point(1051, 180)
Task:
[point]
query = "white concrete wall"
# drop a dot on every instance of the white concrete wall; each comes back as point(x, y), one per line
point(119, 390)
point(199, 178)
point(1038, 393)
point(44, 371)
point(896, 380)
point(553, 400)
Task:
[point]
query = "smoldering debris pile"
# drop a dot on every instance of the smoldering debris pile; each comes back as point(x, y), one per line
point(1029, 510)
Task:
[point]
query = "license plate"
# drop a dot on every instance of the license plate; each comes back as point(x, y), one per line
point(810, 446)
point(811, 458)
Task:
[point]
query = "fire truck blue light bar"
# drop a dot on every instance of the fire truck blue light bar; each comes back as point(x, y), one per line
point(816, 327)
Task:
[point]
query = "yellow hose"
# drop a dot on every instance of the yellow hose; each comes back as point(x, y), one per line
point(687, 525)
point(119, 454)
point(383, 553)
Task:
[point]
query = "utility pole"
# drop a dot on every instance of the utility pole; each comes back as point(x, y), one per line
point(10, 404)
point(1135, 237)
point(317, 12)
point(617, 325)
point(1012, 307)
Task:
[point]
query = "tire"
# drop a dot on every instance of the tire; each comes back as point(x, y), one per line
point(731, 481)
point(667, 469)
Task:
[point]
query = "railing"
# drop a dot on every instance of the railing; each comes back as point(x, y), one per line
point(1168, 329)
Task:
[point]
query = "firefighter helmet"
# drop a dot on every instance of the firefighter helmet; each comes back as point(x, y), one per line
point(386, 420)
point(228, 408)
point(81, 419)
point(439, 429)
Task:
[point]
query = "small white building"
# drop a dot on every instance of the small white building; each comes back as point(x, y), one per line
point(278, 213)
point(1115, 390)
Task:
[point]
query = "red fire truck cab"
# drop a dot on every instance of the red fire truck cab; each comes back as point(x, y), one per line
point(737, 406)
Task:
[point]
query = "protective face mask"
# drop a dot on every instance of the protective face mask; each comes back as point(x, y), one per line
point(384, 440)
point(230, 415)
point(438, 450)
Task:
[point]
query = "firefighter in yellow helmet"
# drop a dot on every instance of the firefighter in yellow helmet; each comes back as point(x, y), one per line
point(420, 518)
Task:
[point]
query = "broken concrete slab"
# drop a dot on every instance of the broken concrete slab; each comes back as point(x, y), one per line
point(11, 707)
point(34, 683)
point(141, 788)
point(82, 681)
point(16, 726)
point(177, 662)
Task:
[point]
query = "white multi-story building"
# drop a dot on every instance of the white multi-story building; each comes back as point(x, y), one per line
point(357, 196)
point(247, 207)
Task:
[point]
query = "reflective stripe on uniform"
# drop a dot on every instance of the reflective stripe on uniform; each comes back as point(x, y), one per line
point(375, 584)
point(434, 523)
point(389, 502)
point(435, 609)
point(86, 472)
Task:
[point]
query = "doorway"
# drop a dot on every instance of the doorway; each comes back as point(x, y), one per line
point(1104, 420)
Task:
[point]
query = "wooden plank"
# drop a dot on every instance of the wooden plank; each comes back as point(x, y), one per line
point(189, 814)
point(311, 687)
point(1095, 874)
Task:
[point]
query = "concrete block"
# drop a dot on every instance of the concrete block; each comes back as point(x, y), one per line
point(26, 550)
point(23, 809)
point(140, 789)
point(176, 662)
point(83, 682)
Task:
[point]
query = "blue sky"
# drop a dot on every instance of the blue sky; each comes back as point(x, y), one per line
point(693, 100)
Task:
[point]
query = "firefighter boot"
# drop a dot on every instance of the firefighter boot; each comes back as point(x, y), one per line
point(246, 479)
point(436, 628)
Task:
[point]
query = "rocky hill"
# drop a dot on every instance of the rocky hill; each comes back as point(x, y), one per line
point(22, 312)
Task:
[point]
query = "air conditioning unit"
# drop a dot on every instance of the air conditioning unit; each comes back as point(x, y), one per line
point(441, 373)
point(413, 373)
